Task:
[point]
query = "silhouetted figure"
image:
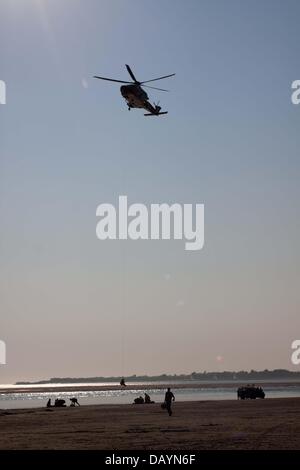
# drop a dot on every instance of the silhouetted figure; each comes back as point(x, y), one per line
point(122, 382)
point(147, 398)
point(74, 402)
point(60, 403)
point(169, 397)
point(139, 401)
point(48, 403)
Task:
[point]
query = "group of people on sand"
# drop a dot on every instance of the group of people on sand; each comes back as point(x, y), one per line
point(140, 400)
point(166, 405)
point(60, 403)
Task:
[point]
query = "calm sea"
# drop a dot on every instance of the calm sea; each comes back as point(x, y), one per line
point(32, 399)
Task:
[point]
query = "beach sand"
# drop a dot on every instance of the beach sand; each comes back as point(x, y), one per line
point(211, 425)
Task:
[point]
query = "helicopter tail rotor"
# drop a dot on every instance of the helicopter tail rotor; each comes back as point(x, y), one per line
point(157, 107)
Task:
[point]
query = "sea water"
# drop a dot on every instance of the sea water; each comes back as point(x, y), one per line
point(32, 399)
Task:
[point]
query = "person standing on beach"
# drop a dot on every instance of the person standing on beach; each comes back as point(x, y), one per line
point(169, 397)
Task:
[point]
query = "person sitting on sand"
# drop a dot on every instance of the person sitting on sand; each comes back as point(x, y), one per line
point(147, 398)
point(59, 402)
point(169, 397)
point(139, 400)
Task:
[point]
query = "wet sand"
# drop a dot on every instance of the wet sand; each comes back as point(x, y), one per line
point(212, 425)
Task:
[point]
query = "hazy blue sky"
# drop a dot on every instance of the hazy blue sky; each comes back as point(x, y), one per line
point(72, 305)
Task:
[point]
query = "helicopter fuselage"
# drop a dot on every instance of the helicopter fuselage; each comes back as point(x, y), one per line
point(134, 95)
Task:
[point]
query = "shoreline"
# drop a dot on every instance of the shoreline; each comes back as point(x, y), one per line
point(272, 423)
point(151, 386)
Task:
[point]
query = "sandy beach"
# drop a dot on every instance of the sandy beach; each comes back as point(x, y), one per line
point(253, 424)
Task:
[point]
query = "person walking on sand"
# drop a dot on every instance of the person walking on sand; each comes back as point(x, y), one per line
point(169, 397)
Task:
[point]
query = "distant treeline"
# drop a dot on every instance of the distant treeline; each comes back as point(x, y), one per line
point(242, 375)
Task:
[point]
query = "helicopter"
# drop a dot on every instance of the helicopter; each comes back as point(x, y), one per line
point(135, 96)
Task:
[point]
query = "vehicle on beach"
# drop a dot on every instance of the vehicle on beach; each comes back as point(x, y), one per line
point(250, 392)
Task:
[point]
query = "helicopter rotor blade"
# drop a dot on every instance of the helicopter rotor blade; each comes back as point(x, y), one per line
point(159, 78)
point(110, 79)
point(131, 73)
point(154, 88)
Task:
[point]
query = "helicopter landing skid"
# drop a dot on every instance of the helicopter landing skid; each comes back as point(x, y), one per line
point(156, 114)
